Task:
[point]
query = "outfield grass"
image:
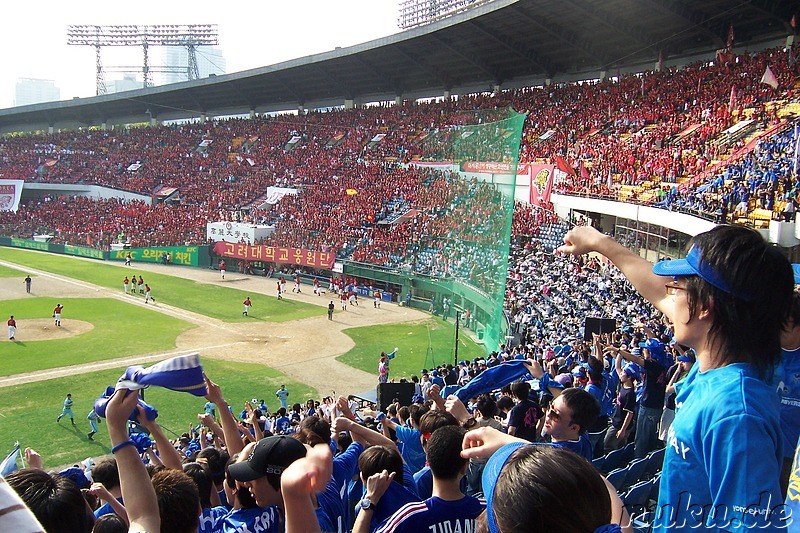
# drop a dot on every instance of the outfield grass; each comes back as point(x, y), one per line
point(28, 413)
point(119, 330)
point(223, 303)
point(422, 345)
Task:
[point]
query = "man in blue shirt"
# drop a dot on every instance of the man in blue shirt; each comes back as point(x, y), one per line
point(409, 437)
point(259, 468)
point(245, 515)
point(570, 414)
point(728, 300)
point(448, 509)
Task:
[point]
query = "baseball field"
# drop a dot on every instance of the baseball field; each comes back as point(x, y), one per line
point(104, 330)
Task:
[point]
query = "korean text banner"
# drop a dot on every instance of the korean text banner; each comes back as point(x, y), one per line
point(275, 254)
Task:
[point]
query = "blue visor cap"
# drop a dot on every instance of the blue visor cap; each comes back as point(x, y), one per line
point(491, 473)
point(693, 265)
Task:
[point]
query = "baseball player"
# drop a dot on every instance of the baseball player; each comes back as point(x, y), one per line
point(57, 314)
point(67, 410)
point(147, 294)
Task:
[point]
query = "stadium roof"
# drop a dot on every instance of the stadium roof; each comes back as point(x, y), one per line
point(505, 43)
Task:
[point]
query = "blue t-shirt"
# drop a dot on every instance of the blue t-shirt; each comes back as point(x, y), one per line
point(582, 446)
point(435, 514)
point(210, 519)
point(332, 513)
point(105, 509)
point(787, 378)
point(724, 452)
point(655, 384)
point(261, 519)
point(412, 451)
point(282, 425)
point(605, 392)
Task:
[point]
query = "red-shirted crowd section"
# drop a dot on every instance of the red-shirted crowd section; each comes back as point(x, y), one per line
point(640, 138)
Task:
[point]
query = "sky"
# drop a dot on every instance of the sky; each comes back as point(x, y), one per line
point(33, 43)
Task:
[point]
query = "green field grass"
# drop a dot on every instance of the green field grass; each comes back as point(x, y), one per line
point(28, 412)
point(422, 345)
point(6, 272)
point(223, 303)
point(119, 330)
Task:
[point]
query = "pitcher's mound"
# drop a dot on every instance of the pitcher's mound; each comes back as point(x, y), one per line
point(44, 329)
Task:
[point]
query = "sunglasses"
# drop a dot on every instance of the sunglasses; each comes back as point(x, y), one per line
point(554, 415)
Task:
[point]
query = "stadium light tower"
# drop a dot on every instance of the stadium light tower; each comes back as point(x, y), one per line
point(415, 13)
point(189, 36)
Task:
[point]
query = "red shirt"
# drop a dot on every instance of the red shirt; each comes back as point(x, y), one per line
point(58, 309)
point(12, 322)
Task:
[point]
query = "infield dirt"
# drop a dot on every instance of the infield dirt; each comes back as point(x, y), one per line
point(302, 349)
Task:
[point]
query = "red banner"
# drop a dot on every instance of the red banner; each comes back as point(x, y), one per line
point(294, 256)
point(489, 167)
point(541, 177)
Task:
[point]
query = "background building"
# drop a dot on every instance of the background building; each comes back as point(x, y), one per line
point(209, 61)
point(129, 82)
point(33, 91)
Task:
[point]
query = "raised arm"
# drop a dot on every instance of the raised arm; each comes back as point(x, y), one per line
point(169, 455)
point(536, 370)
point(229, 428)
point(299, 482)
point(360, 433)
point(628, 356)
point(99, 490)
point(137, 490)
point(435, 394)
point(253, 420)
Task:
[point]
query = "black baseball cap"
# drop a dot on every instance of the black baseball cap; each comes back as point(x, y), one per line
point(271, 455)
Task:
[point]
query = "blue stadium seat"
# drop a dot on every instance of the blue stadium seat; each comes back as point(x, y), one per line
point(613, 460)
point(617, 477)
point(656, 485)
point(655, 461)
point(636, 499)
point(599, 463)
point(627, 452)
point(635, 472)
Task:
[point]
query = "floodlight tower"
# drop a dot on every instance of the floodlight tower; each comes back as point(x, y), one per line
point(188, 35)
point(415, 13)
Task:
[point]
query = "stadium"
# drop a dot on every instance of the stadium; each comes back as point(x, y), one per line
point(417, 188)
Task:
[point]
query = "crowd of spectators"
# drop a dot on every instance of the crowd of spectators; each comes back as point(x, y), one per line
point(350, 167)
point(344, 465)
point(359, 469)
point(548, 296)
point(762, 179)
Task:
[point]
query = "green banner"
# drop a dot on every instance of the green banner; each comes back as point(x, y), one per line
point(82, 251)
point(179, 255)
point(30, 245)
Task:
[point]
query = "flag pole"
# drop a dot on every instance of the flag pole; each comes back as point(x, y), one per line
point(796, 147)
